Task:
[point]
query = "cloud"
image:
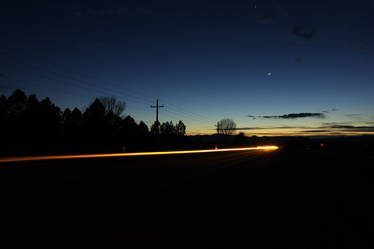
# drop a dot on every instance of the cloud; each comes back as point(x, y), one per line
point(315, 131)
point(267, 128)
point(353, 128)
point(348, 127)
point(325, 129)
point(292, 116)
point(248, 128)
point(304, 31)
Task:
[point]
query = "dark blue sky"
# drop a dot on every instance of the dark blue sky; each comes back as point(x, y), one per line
point(204, 61)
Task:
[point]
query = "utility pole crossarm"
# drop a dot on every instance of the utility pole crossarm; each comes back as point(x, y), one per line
point(157, 106)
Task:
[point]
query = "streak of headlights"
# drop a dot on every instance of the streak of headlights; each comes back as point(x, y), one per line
point(40, 158)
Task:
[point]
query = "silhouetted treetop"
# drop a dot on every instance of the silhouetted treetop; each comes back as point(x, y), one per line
point(17, 102)
point(143, 129)
point(33, 99)
point(111, 104)
point(95, 112)
point(167, 128)
point(155, 128)
point(180, 128)
point(3, 101)
point(76, 114)
point(17, 97)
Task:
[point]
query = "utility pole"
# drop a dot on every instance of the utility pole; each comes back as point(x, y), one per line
point(157, 106)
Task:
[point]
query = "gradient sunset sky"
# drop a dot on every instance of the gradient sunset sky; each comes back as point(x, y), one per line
point(252, 61)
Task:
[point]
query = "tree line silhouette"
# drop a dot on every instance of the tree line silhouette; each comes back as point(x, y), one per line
point(32, 126)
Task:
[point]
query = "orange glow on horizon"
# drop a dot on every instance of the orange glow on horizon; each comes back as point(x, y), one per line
point(40, 158)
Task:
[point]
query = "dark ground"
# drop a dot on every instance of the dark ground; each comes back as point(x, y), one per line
point(283, 199)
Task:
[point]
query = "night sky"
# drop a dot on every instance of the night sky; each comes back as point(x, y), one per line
point(252, 61)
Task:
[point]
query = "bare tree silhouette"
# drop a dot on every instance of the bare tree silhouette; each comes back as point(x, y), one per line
point(111, 104)
point(226, 127)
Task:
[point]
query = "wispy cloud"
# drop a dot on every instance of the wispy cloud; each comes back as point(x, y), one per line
point(292, 116)
point(369, 128)
point(269, 128)
point(333, 128)
point(315, 131)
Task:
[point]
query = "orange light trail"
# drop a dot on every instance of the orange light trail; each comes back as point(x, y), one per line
point(40, 158)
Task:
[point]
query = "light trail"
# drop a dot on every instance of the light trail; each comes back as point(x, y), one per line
point(40, 158)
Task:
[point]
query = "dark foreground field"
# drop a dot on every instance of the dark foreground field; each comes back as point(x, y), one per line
point(280, 199)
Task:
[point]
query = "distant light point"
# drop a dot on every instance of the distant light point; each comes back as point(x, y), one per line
point(269, 74)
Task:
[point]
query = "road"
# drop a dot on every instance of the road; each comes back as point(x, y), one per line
point(124, 170)
point(272, 199)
